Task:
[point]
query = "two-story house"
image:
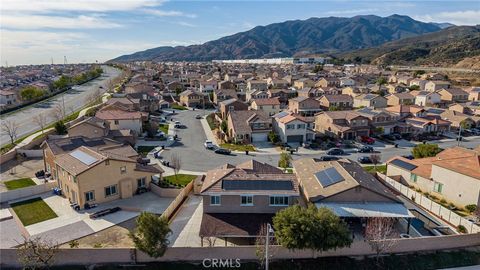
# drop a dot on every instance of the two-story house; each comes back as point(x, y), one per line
point(381, 121)
point(231, 105)
point(224, 94)
point(119, 119)
point(425, 98)
point(239, 200)
point(248, 126)
point(400, 99)
point(257, 85)
point(336, 102)
point(304, 106)
point(207, 86)
point(369, 100)
point(292, 128)
point(192, 99)
point(270, 106)
point(453, 95)
point(346, 125)
point(433, 86)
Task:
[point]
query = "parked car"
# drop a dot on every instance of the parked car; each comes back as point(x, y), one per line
point(335, 151)
point(208, 144)
point(408, 157)
point(364, 160)
point(198, 116)
point(367, 140)
point(328, 158)
point(223, 151)
point(397, 136)
point(365, 149)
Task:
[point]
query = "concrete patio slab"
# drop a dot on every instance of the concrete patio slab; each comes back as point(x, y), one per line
point(10, 235)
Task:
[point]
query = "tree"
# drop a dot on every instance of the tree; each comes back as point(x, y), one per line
point(465, 124)
point(285, 160)
point(273, 137)
point(178, 90)
point(224, 126)
point(41, 120)
point(260, 244)
point(176, 164)
point(375, 158)
point(37, 253)
point(381, 81)
point(59, 111)
point(60, 128)
point(151, 234)
point(151, 128)
point(333, 108)
point(317, 68)
point(425, 150)
point(314, 228)
point(414, 87)
point(30, 92)
point(380, 233)
point(11, 128)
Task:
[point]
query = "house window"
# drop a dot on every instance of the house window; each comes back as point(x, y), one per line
point(111, 190)
point(141, 182)
point(214, 200)
point(413, 177)
point(107, 162)
point(437, 187)
point(301, 126)
point(290, 126)
point(279, 201)
point(116, 122)
point(123, 169)
point(90, 196)
point(246, 200)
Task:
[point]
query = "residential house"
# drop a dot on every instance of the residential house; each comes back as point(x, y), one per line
point(230, 105)
point(395, 88)
point(400, 99)
point(91, 127)
point(249, 126)
point(304, 106)
point(348, 190)
point(474, 94)
point(346, 125)
point(277, 83)
point(433, 86)
point(418, 82)
point(257, 85)
point(425, 98)
point(282, 94)
point(426, 125)
point(124, 102)
point(8, 98)
point(256, 94)
point(328, 82)
point(347, 82)
point(224, 94)
point(303, 83)
point(369, 100)
point(192, 98)
point(207, 86)
point(239, 200)
point(270, 106)
point(310, 92)
point(336, 102)
point(226, 85)
point(458, 119)
point(453, 95)
point(119, 119)
point(452, 174)
point(78, 174)
point(292, 128)
point(404, 111)
point(382, 121)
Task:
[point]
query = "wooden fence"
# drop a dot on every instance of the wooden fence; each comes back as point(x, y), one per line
point(168, 213)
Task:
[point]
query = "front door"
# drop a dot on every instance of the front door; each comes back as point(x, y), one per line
point(74, 197)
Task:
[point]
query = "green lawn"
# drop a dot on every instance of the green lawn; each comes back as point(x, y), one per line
point(182, 179)
point(238, 147)
point(145, 149)
point(380, 169)
point(19, 183)
point(33, 211)
point(163, 128)
point(178, 107)
point(211, 121)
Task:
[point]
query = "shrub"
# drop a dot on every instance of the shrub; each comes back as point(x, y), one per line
point(461, 229)
point(443, 201)
point(471, 208)
point(60, 128)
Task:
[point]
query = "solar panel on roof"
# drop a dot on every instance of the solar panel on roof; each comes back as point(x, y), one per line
point(329, 177)
point(403, 164)
point(83, 157)
point(435, 111)
point(257, 185)
point(281, 114)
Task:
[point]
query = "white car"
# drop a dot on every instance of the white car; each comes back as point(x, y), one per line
point(209, 144)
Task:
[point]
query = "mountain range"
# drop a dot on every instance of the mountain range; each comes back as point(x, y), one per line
point(295, 38)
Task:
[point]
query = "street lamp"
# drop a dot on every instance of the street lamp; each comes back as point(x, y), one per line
point(267, 242)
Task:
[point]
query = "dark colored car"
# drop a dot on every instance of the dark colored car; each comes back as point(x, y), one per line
point(364, 160)
point(335, 152)
point(328, 158)
point(365, 149)
point(397, 136)
point(408, 157)
point(223, 151)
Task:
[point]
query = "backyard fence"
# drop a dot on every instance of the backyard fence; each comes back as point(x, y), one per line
point(89, 256)
point(25, 192)
point(433, 207)
point(178, 200)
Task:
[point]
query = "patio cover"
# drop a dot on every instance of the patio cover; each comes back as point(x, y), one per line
point(374, 209)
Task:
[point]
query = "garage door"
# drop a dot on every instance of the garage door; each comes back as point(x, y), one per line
point(259, 137)
point(295, 138)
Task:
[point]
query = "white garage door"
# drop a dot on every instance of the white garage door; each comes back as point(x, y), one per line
point(259, 137)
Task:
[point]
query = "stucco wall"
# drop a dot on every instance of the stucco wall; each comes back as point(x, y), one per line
point(231, 204)
point(457, 188)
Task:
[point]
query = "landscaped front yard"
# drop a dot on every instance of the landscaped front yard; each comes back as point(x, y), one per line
point(238, 147)
point(380, 169)
point(211, 121)
point(19, 183)
point(33, 211)
point(178, 107)
point(144, 150)
point(163, 128)
point(181, 179)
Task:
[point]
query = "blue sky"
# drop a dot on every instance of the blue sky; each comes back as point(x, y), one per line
point(34, 31)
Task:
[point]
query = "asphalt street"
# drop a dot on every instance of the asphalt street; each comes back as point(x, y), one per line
point(74, 99)
point(195, 157)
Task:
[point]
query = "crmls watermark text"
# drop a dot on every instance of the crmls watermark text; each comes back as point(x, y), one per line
point(219, 263)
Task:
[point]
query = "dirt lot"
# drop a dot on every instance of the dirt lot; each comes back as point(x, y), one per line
point(116, 236)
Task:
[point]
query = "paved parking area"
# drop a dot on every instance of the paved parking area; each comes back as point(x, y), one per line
point(14, 170)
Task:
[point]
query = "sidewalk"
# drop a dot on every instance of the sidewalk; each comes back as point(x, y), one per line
point(207, 130)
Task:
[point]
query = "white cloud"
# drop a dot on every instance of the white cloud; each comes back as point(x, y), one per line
point(168, 13)
point(467, 17)
point(40, 6)
point(57, 22)
point(182, 23)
